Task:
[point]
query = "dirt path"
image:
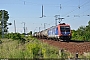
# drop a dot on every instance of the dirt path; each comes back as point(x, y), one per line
point(73, 47)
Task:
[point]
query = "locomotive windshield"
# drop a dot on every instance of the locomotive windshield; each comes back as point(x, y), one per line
point(65, 28)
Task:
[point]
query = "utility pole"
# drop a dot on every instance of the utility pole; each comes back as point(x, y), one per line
point(2, 23)
point(24, 27)
point(26, 30)
point(42, 10)
point(42, 13)
point(14, 26)
point(39, 29)
point(56, 18)
point(44, 26)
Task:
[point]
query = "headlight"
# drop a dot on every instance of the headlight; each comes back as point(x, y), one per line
point(69, 34)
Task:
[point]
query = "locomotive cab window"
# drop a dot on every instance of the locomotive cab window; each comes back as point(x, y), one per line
point(65, 28)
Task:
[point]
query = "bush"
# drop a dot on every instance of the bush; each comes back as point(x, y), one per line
point(14, 36)
point(38, 49)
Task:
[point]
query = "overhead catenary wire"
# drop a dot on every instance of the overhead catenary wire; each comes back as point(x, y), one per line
point(49, 5)
point(67, 14)
point(58, 5)
point(25, 2)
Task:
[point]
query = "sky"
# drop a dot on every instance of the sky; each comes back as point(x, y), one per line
point(74, 13)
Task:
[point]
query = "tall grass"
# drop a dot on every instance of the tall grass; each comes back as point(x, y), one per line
point(11, 49)
point(32, 48)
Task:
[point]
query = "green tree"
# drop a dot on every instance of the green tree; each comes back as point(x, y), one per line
point(74, 34)
point(82, 33)
point(87, 33)
point(6, 17)
point(89, 23)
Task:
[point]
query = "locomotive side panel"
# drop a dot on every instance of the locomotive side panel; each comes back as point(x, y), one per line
point(53, 32)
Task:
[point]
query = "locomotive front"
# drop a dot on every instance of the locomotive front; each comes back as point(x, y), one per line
point(65, 31)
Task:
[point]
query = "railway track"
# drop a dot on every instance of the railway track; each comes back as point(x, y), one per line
point(73, 46)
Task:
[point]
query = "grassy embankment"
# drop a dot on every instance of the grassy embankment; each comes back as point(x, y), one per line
point(32, 48)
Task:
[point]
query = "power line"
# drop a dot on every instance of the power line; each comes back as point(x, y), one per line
point(77, 8)
point(85, 3)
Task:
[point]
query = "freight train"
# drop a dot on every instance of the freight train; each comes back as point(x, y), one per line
point(60, 32)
